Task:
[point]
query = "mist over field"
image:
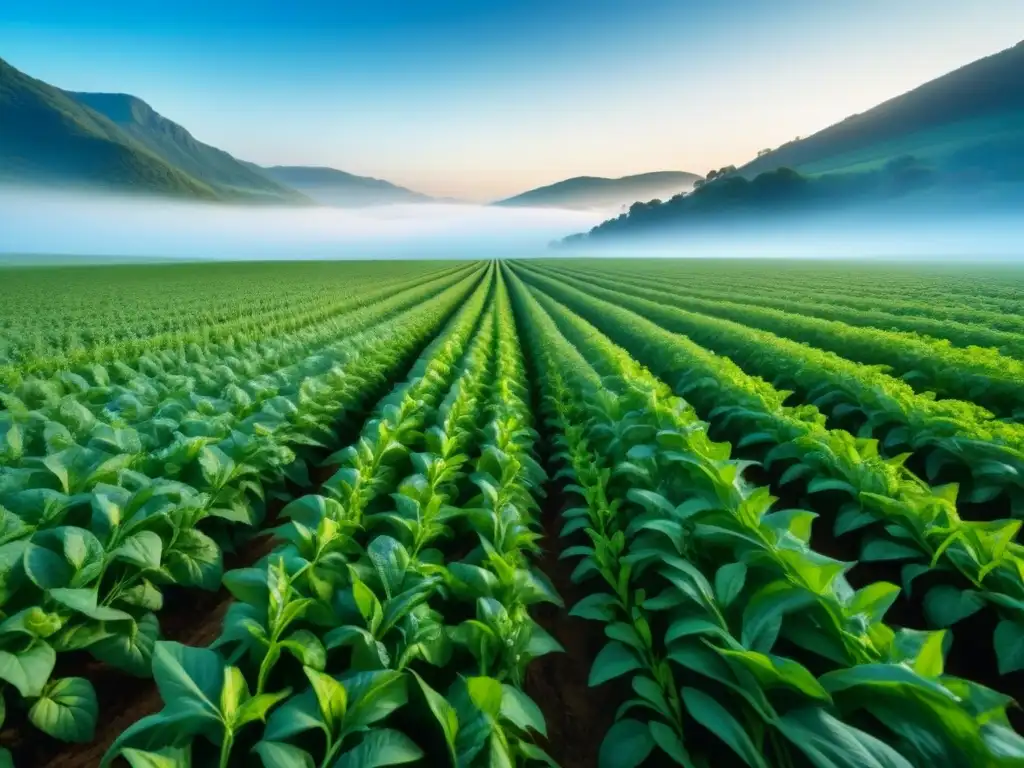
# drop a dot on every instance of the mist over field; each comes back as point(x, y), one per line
point(941, 233)
point(92, 226)
point(97, 225)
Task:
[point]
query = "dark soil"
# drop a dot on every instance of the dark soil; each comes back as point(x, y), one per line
point(577, 715)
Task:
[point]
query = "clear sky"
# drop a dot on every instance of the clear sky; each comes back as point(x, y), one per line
point(481, 99)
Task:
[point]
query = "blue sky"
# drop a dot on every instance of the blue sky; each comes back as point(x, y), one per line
point(483, 99)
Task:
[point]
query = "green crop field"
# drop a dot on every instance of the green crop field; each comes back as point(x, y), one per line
point(564, 512)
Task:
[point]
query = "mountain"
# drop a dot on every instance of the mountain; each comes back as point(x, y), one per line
point(590, 192)
point(329, 186)
point(47, 137)
point(969, 121)
point(177, 147)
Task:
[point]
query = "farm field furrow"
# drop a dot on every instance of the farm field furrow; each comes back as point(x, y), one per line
point(292, 318)
point(579, 513)
point(900, 525)
point(96, 538)
point(944, 434)
point(958, 333)
point(979, 375)
point(694, 560)
point(930, 285)
point(134, 303)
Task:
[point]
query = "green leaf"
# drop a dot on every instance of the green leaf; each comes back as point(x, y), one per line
point(45, 568)
point(331, 697)
point(878, 550)
point(716, 718)
point(28, 670)
point(614, 660)
point(729, 582)
point(777, 671)
point(486, 694)
point(368, 604)
point(307, 648)
point(670, 743)
point(195, 560)
point(381, 747)
point(171, 757)
point(874, 600)
point(762, 617)
point(189, 679)
point(131, 651)
point(521, 710)
point(945, 605)
point(275, 754)
point(372, 696)
point(831, 743)
point(691, 625)
point(67, 710)
point(143, 550)
point(626, 745)
point(86, 602)
point(390, 559)
point(599, 606)
point(443, 712)
point(257, 707)
point(1009, 640)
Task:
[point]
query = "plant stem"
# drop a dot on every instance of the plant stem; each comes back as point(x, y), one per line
point(225, 748)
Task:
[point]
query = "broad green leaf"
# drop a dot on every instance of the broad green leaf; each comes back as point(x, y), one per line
point(171, 757)
point(716, 718)
point(1009, 641)
point(143, 550)
point(670, 743)
point(28, 670)
point(307, 648)
point(390, 559)
point(299, 714)
point(831, 743)
point(777, 671)
point(599, 606)
point(194, 560)
point(380, 747)
point(275, 754)
point(614, 660)
point(372, 696)
point(883, 549)
point(331, 697)
point(486, 694)
point(945, 606)
point(129, 650)
point(45, 568)
point(189, 679)
point(521, 710)
point(67, 710)
point(626, 745)
point(729, 580)
point(86, 602)
point(442, 710)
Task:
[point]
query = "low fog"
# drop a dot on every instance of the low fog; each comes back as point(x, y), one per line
point(97, 227)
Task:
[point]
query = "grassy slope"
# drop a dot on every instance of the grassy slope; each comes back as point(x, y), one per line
point(47, 137)
point(595, 191)
point(175, 145)
point(975, 108)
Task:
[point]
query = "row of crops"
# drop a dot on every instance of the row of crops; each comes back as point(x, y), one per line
point(772, 527)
